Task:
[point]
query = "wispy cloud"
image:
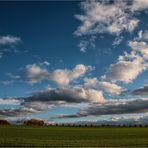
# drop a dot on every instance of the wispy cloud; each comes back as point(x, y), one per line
point(9, 40)
point(104, 16)
point(113, 17)
point(8, 43)
point(118, 40)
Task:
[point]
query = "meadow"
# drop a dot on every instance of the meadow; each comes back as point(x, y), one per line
point(23, 136)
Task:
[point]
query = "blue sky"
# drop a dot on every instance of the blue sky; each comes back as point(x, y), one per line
point(74, 61)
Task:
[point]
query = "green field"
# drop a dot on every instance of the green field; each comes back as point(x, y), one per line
point(73, 136)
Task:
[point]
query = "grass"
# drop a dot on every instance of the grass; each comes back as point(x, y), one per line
point(21, 136)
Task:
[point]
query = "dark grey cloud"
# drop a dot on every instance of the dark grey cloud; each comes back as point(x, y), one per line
point(143, 91)
point(15, 112)
point(50, 98)
point(54, 95)
point(112, 108)
point(69, 95)
point(26, 108)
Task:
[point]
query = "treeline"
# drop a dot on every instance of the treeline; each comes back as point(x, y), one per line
point(38, 122)
point(101, 125)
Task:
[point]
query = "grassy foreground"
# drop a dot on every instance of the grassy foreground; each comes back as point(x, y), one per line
point(73, 136)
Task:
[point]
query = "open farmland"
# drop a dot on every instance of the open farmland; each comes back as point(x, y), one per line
point(73, 136)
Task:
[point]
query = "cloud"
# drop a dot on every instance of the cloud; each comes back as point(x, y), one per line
point(64, 76)
point(90, 82)
point(131, 120)
point(86, 44)
point(139, 5)
point(108, 87)
point(119, 120)
point(23, 108)
point(44, 63)
point(9, 40)
point(113, 107)
point(118, 40)
point(140, 47)
point(127, 68)
point(83, 46)
point(69, 95)
point(143, 35)
point(16, 112)
point(49, 98)
point(135, 62)
point(118, 107)
point(7, 82)
point(140, 43)
point(38, 106)
point(142, 91)
point(111, 16)
point(107, 16)
point(10, 101)
point(8, 43)
point(34, 73)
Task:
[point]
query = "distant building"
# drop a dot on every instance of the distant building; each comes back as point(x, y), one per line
point(35, 122)
point(4, 122)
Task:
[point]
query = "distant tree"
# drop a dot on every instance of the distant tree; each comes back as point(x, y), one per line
point(124, 125)
point(85, 125)
point(102, 125)
point(4, 122)
point(71, 124)
point(79, 125)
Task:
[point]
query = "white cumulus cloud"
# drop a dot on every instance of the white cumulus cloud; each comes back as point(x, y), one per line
point(34, 73)
point(64, 76)
point(108, 87)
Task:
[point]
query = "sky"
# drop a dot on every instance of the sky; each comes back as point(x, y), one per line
point(73, 61)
